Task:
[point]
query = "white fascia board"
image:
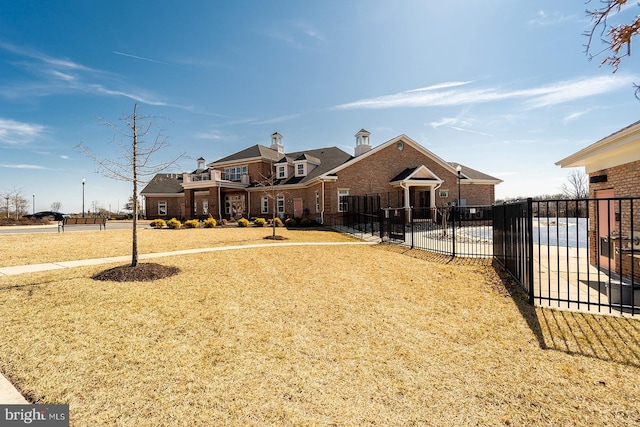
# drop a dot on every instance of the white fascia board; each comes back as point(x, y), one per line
point(403, 138)
point(236, 162)
point(163, 194)
point(623, 141)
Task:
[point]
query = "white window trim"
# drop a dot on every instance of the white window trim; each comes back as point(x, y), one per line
point(205, 207)
point(317, 202)
point(283, 169)
point(162, 206)
point(264, 205)
point(235, 173)
point(304, 169)
point(443, 193)
point(281, 206)
point(341, 193)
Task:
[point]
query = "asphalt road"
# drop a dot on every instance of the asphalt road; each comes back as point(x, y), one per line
point(53, 228)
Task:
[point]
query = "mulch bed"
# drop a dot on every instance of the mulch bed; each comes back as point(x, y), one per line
point(140, 273)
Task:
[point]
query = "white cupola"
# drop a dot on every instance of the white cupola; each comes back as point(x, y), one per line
point(362, 142)
point(201, 163)
point(276, 142)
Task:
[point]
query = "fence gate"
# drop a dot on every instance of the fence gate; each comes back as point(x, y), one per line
point(394, 220)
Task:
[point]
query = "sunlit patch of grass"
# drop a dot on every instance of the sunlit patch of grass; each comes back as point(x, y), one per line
point(342, 335)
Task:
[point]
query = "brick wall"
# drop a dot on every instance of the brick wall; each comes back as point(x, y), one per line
point(175, 205)
point(624, 180)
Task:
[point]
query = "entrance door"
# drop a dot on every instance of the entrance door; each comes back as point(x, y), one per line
point(423, 204)
point(606, 224)
point(297, 208)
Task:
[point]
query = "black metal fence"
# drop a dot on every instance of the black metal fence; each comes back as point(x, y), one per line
point(574, 254)
point(450, 230)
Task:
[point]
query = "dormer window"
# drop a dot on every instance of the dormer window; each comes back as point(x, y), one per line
point(282, 172)
point(300, 169)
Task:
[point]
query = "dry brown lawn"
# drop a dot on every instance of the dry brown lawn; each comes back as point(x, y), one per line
point(330, 336)
point(22, 249)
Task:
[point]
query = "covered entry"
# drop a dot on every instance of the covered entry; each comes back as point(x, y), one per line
point(419, 187)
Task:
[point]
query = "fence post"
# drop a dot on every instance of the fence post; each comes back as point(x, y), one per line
point(453, 227)
point(530, 250)
point(411, 217)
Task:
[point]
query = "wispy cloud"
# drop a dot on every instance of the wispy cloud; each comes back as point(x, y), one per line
point(300, 35)
point(534, 97)
point(15, 133)
point(459, 124)
point(547, 19)
point(46, 76)
point(142, 58)
point(213, 135)
point(24, 167)
point(279, 119)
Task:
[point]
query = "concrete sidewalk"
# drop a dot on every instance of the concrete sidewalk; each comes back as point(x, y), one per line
point(9, 394)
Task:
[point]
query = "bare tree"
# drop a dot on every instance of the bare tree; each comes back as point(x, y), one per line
point(56, 206)
point(616, 38)
point(577, 186)
point(272, 193)
point(135, 162)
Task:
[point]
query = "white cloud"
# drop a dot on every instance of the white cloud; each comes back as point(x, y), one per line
point(279, 119)
point(545, 19)
point(212, 135)
point(14, 133)
point(24, 167)
point(535, 97)
point(53, 76)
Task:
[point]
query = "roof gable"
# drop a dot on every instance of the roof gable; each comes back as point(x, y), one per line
point(451, 167)
point(619, 148)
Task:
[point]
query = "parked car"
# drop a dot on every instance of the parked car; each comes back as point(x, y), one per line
point(57, 216)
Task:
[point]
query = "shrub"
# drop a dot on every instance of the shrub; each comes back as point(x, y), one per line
point(210, 222)
point(259, 222)
point(306, 222)
point(174, 224)
point(192, 223)
point(158, 223)
point(278, 222)
point(243, 222)
point(290, 222)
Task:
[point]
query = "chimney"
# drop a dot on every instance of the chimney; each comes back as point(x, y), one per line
point(276, 142)
point(362, 142)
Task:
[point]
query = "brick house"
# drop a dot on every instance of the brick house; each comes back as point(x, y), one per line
point(613, 166)
point(310, 183)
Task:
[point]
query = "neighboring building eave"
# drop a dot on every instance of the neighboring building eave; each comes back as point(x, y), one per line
point(618, 148)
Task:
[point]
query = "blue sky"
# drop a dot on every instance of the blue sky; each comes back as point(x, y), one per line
point(501, 86)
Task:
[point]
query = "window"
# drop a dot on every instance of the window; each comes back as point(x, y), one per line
point(195, 207)
point(280, 204)
point(300, 169)
point(235, 173)
point(162, 208)
point(282, 171)
point(444, 193)
point(205, 207)
point(317, 202)
point(264, 205)
point(343, 205)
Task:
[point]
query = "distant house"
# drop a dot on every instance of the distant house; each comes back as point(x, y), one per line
point(613, 166)
point(312, 183)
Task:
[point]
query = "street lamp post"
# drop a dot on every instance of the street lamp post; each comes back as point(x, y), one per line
point(459, 169)
point(33, 203)
point(82, 197)
point(7, 199)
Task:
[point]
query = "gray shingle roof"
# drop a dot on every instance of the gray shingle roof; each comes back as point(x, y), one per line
point(164, 183)
point(251, 152)
point(472, 173)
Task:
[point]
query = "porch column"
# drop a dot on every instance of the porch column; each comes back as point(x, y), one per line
point(188, 204)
